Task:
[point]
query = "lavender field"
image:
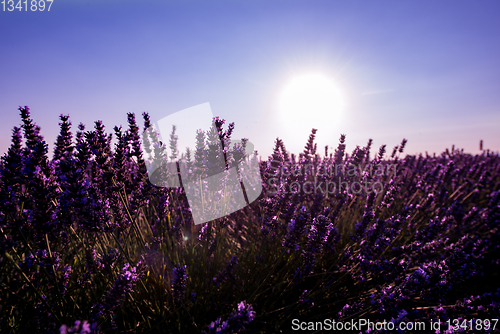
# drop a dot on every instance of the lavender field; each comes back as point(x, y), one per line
point(367, 238)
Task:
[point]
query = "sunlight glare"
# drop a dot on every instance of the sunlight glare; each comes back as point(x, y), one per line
point(311, 98)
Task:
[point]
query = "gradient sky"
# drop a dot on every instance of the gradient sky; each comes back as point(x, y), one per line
point(428, 71)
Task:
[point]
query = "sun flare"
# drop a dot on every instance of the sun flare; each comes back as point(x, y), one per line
point(311, 97)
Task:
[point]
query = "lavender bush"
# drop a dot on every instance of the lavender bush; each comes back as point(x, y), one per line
point(89, 245)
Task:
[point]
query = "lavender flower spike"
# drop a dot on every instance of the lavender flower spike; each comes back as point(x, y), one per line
point(179, 282)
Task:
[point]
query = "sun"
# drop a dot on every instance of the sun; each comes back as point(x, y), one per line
point(311, 98)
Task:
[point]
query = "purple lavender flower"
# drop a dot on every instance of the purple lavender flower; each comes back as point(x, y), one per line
point(306, 299)
point(123, 285)
point(80, 328)
point(202, 235)
point(179, 282)
point(296, 228)
point(236, 321)
point(227, 272)
point(63, 146)
point(318, 235)
point(10, 181)
point(136, 151)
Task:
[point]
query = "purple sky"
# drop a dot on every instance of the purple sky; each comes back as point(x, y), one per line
point(427, 71)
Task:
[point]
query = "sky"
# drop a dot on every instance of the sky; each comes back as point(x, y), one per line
point(427, 71)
